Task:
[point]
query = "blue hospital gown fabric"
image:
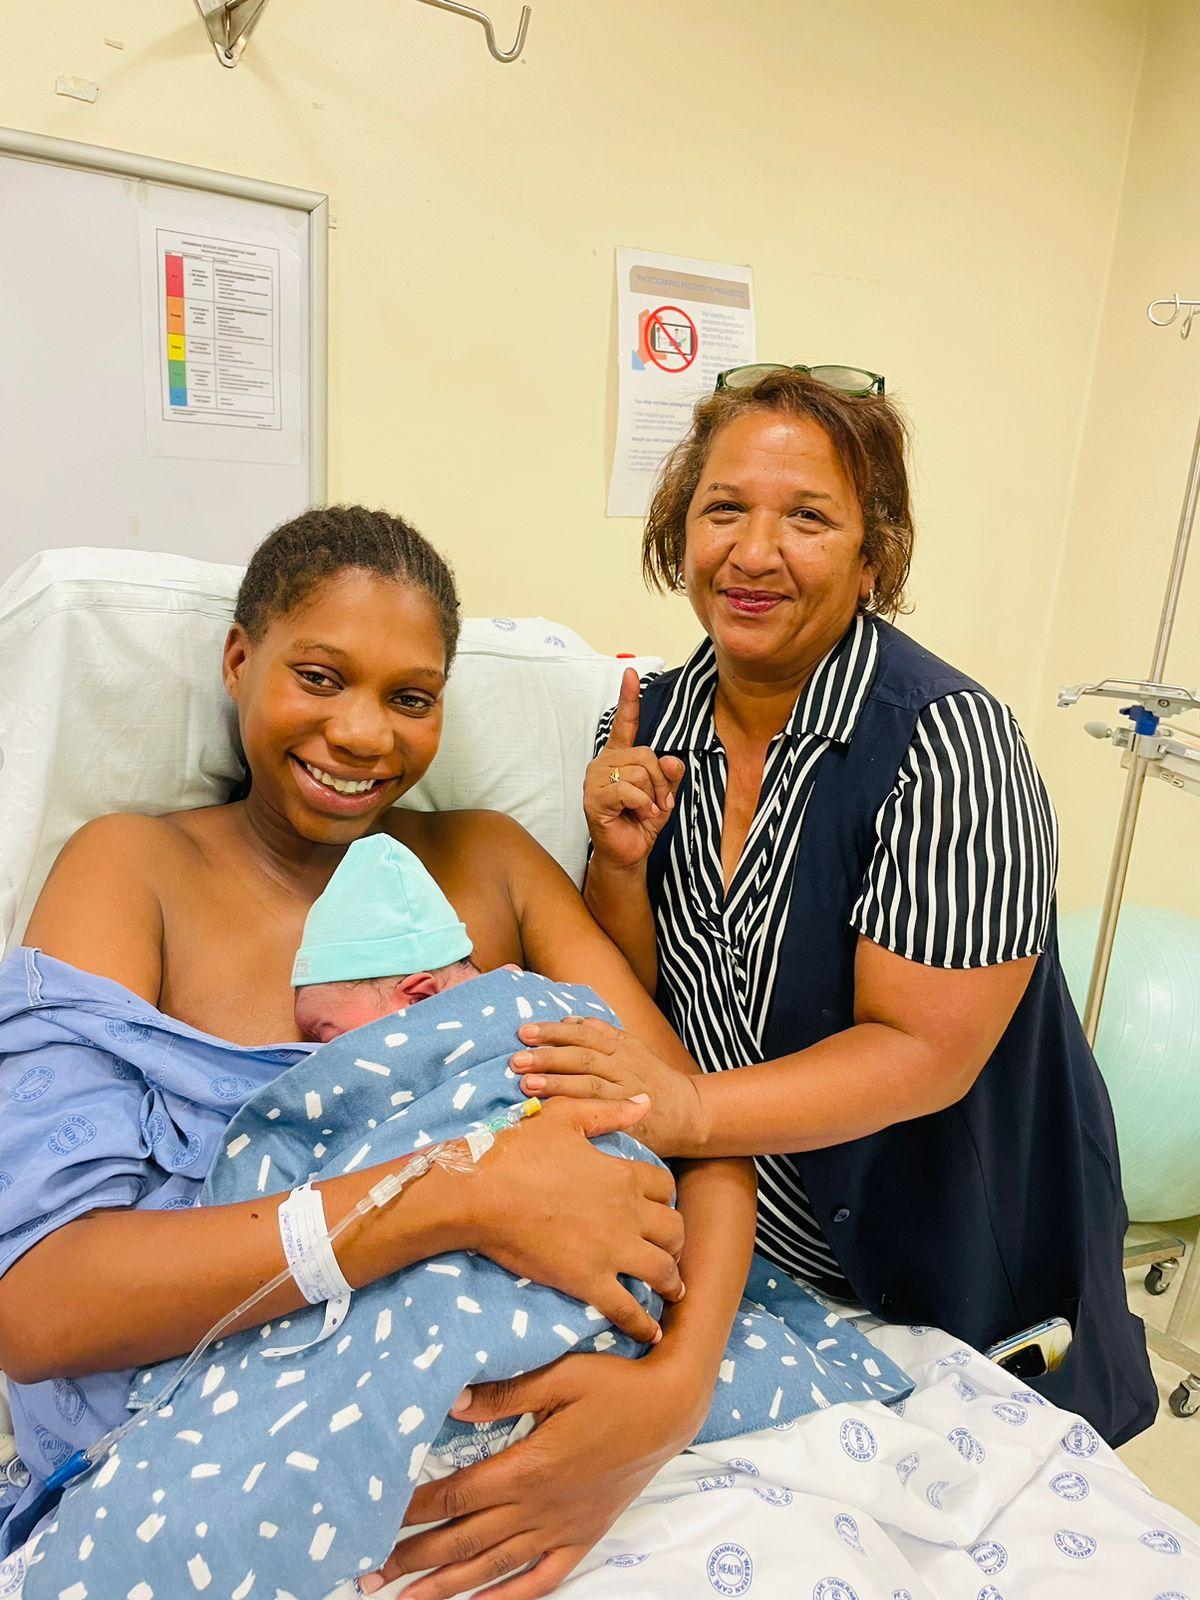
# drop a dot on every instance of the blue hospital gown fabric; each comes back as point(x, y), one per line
point(333, 1437)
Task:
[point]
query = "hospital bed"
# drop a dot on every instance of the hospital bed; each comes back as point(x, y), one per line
point(973, 1489)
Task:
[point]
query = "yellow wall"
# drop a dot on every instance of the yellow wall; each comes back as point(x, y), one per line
point(1141, 418)
point(927, 189)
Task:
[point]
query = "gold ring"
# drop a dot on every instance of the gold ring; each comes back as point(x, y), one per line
point(614, 775)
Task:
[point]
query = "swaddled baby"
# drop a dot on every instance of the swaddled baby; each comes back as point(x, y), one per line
point(299, 1443)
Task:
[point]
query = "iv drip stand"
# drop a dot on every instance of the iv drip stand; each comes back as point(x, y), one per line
point(1152, 699)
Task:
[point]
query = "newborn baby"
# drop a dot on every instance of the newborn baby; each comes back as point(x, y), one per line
point(380, 938)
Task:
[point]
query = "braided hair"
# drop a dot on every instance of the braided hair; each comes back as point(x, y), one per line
point(301, 554)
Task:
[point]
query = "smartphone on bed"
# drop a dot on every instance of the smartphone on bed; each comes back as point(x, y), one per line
point(1035, 1351)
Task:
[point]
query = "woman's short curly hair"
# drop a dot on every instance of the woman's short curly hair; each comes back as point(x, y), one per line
point(319, 544)
point(869, 436)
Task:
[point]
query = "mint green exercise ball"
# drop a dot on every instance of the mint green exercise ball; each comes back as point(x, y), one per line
point(1148, 1048)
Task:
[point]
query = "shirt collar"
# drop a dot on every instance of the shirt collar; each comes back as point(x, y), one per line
point(829, 706)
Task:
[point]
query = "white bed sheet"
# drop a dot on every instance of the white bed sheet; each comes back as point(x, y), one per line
point(972, 1489)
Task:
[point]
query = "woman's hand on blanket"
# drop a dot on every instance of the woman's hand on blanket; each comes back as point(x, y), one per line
point(587, 1058)
point(559, 1211)
point(605, 1427)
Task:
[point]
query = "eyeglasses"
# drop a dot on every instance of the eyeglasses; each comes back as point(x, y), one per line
point(849, 380)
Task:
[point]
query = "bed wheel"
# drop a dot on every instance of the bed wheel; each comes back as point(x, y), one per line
point(1158, 1279)
point(1185, 1400)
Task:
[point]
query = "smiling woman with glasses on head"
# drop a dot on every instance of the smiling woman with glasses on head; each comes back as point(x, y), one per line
point(831, 859)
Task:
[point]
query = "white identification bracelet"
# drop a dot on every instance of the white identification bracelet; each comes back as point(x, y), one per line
point(304, 1234)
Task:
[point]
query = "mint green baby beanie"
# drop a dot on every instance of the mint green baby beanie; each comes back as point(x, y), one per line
point(381, 916)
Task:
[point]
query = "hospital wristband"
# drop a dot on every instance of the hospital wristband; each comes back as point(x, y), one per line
point(304, 1235)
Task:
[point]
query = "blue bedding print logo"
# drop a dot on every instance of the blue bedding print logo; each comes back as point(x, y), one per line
point(846, 1529)
point(834, 1589)
point(1008, 1411)
point(1079, 1546)
point(907, 1465)
point(68, 1400)
point(989, 1557)
point(967, 1445)
point(1159, 1539)
point(232, 1088)
point(116, 1029)
point(1070, 1486)
point(32, 1085)
point(857, 1440)
point(1080, 1440)
point(730, 1569)
point(70, 1135)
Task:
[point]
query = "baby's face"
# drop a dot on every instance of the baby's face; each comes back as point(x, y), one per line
point(324, 1011)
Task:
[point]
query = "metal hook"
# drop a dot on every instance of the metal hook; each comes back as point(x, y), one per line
point(479, 16)
point(1187, 323)
point(229, 24)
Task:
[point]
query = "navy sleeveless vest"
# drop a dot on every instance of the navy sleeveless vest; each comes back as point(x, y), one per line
point(1001, 1210)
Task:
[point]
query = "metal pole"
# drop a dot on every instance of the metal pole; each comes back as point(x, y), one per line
point(1119, 865)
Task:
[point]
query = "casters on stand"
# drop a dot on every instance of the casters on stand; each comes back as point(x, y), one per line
point(1158, 1279)
point(1185, 1401)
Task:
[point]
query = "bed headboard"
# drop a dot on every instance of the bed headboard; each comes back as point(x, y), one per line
point(111, 700)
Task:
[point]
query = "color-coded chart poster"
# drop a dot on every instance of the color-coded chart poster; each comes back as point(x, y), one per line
point(218, 312)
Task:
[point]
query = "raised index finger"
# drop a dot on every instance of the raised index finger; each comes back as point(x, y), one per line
point(625, 720)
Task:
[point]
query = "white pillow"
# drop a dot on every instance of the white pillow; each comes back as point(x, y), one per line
point(111, 700)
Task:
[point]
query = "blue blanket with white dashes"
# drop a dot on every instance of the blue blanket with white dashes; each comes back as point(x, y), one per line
point(299, 1465)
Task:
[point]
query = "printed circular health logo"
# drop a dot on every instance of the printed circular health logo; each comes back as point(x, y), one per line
point(989, 1557)
point(51, 1446)
point(1080, 1440)
point(935, 1492)
point(967, 1445)
point(834, 1589)
point(846, 1529)
point(468, 1452)
point(774, 1495)
point(126, 1030)
point(1159, 1539)
point(232, 1088)
point(1079, 1546)
point(1030, 1396)
point(743, 1465)
point(1070, 1486)
point(964, 1390)
point(12, 1574)
point(716, 1480)
point(730, 1569)
point(858, 1441)
point(626, 1561)
point(71, 1134)
point(32, 1085)
point(6, 1182)
point(1009, 1411)
point(989, 1592)
point(956, 1358)
point(505, 624)
point(907, 1465)
point(68, 1400)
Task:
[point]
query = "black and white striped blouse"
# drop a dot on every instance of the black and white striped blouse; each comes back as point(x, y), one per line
point(962, 875)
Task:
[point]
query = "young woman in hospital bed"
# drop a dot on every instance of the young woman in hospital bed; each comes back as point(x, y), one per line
point(346, 629)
